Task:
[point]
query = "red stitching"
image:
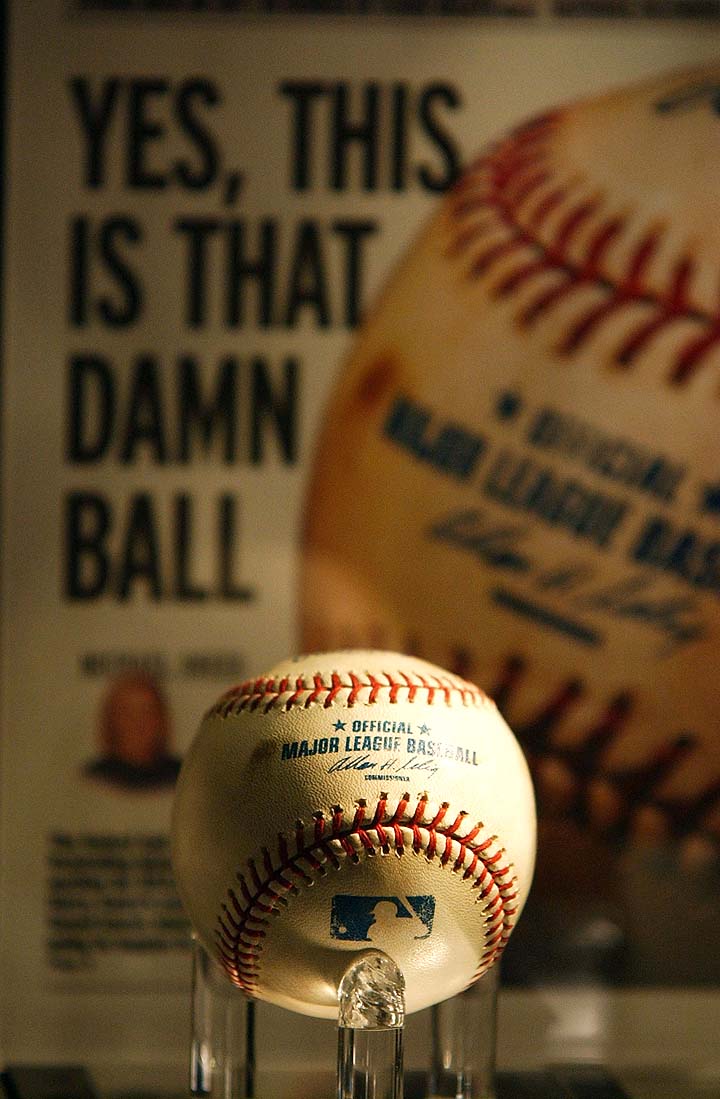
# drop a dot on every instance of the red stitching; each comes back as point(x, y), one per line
point(239, 939)
point(308, 691)
point(335, 688)
point(502, 183)
point(637, 787)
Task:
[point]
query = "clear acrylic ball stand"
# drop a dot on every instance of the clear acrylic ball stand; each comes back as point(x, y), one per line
point(451, 1046)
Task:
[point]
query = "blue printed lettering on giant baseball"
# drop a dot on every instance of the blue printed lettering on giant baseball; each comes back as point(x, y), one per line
point(545, 584)
point(617, 459)
point(449, 447)
point(521, 483)
point(681, 551)
point(357, 919)
point(709, 499)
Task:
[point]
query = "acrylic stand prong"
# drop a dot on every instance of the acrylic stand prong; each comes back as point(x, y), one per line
point(458, 1060)
point(371, 1015)
point(222, 1046)
point(463, 1039)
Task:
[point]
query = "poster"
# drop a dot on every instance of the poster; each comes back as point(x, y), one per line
point(202, 204)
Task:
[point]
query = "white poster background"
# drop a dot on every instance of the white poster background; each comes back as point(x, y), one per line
point(134, 1009)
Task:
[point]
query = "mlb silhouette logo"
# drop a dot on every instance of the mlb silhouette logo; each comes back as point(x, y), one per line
point(369, 919)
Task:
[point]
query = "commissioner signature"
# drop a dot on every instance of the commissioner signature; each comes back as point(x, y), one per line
point(499, 547)
point(555, 596)
point(364, 762)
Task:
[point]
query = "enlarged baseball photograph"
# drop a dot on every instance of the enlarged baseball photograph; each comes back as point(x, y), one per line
point(529, 418)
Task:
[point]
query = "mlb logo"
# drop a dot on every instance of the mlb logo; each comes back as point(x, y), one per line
point(369, 919)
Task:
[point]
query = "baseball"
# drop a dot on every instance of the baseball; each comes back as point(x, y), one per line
point(530, 416)
point(349, 801)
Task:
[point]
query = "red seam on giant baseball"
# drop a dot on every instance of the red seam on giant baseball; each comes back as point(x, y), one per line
point(637, 787)
point(241, 958)
point(502, 182)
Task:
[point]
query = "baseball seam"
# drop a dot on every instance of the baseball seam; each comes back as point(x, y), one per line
point(515, 185)
point(265, 888)
point(636, 787)
point(304, 691)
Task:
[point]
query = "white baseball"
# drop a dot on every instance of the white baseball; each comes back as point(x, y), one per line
point(348, 801)
point(531, 416)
